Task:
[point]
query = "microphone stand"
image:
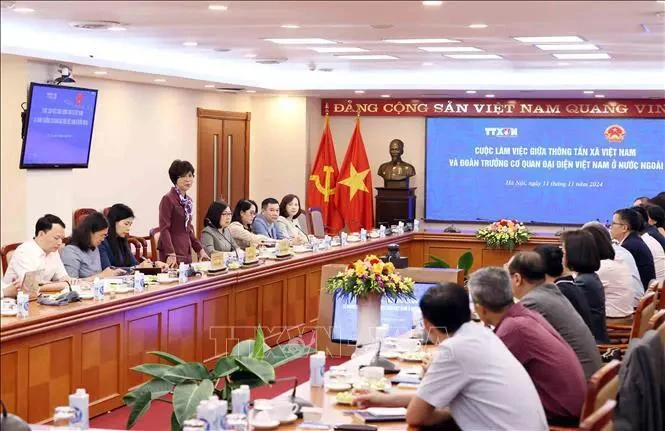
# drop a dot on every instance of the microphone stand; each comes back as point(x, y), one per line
point(300, 402)
point(378, 361)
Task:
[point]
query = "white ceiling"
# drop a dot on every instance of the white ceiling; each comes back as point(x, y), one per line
point(631, 32)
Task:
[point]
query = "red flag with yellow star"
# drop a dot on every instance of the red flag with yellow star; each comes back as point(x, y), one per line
point(354, 186)
point(322, 182)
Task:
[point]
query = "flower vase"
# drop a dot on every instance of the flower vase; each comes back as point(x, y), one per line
point(369, 318)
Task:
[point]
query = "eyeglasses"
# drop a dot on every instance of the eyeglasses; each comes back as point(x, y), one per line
point(227, 214)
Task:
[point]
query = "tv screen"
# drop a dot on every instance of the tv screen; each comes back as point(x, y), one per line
point(397, 315)
point(59, 126)
point(540, 170)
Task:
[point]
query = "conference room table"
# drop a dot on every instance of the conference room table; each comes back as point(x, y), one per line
point(94, 344)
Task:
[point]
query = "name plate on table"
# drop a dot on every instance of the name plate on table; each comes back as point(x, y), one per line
point(282, 247)
point(217, 260)
point(250, 255)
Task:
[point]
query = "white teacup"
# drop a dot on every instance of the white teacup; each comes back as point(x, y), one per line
point(311, 414)
point(409, 344)
point(163, 277)
point(263, 417)
point(262, 404)
point(8, 303)
point(282, 410)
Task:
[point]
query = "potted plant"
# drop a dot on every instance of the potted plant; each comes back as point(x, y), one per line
point(505, 234)
point(465, 262)
point(251, 362)
point(367, 281)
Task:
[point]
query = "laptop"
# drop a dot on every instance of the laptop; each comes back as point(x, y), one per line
point(31, 282)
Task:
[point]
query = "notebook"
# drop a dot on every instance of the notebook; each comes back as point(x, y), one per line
point(381, 414)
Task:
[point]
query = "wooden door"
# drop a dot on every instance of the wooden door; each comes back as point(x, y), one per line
point(223, 159)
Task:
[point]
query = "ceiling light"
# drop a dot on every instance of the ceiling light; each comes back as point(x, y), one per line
point(251, 91)
point(490, 95)
point(100, 72)
point(588, 91)
point(478, 26)
point(159, 80)
point(419, 41)
point(599, 96)
point(428, 63)
point(218, 7)
point(474, 56)
point(450, 49)
point(594, 56)
point(385, 96)
point(338, 49)
point(470, 91)
point(368, 57)
point(190, 43)
point(573, 47)
point(290, 26)
point(209, 86)
point(359, 91)
point(250, 55)
point(302, 41)
point(549, 39)
point(117, 28)
point(432, 3)
point(23, 10)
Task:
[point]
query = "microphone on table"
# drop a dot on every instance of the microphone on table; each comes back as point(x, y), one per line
point(300, 402)
point(378, 361)
point(235, 249)
point(306, 236)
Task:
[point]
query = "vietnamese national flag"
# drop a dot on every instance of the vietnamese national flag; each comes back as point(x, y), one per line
point(354, 186)
point(322, 182)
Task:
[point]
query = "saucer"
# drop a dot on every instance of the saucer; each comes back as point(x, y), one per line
point(338, 387)
point(289, 420)
point(267, 425)
point(124, 289)
point(282, 257)
point(9, 312)
point(256, 262)
point(167, 281)
point(353, 239)
point(86, 295)
point(391, 354)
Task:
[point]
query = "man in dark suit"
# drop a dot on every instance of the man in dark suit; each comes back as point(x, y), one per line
point(625, 228)
point(651, 230)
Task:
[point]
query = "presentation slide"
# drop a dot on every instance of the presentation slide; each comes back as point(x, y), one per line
point(59, 126)
point(540, 170)
point(397, 315)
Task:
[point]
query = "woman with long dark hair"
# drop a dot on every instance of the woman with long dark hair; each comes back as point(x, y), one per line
point(241, 224)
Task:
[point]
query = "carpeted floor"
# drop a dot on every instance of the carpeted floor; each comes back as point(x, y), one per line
point(159, 416)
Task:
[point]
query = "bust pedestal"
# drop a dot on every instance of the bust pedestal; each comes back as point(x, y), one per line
point(394, 204)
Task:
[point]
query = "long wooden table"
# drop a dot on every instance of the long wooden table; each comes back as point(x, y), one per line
point(47, 355)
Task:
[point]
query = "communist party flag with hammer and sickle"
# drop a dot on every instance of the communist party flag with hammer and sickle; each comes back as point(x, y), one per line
point(322, 182)
point(353, 196)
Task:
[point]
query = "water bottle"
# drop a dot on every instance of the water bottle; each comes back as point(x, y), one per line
point(317, 363)
point(203, 414)
point(98, 289)
point(344, 238)
point(400, 227)
point(22, 303)
point(79, 401)
point(139, 282)
point(240, 400)
point(182, 272)
point(222, 408)
point(363, 235)
point(416, 225)
point(382, 231)
point(236, 422)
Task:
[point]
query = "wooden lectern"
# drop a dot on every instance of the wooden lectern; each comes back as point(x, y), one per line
point(393, 204)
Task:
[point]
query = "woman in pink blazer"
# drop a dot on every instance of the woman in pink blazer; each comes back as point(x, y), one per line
point(176, 211)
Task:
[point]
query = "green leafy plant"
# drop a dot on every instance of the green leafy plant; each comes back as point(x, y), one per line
point(465, 262)
point(251, 362)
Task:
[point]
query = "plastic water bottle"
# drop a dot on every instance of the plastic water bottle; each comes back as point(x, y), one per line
point(317, 363)
point(98, 289)
point(400, 226)
point(182, 272)
point(363, 235)
point(79, 401)
point(22, 304)
point(240, 400)
point(382, 231)
point(344, 238)
point(416, 225)
point(222, 408)
point(139, 282)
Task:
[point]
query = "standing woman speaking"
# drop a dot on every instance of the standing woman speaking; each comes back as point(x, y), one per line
point(176, 209)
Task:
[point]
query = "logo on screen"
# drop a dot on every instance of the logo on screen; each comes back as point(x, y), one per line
point(51, 96)
point(501, 132)
point(79, 98)
point(615, 133)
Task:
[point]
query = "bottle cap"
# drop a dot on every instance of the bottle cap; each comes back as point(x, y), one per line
point(80, 391)
point(244, 387)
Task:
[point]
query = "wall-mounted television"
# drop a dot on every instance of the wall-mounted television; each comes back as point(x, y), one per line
point(57, 129)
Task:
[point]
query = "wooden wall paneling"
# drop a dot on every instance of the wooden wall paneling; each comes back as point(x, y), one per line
point(102, 364)
point(50, 376)
point(296, 300)
point(312, 292)
point(217, 317)
point(144, 329)
point(272, 305)
point(492, 257)
point(246, 304)
point(10, 386)
point(182, 333)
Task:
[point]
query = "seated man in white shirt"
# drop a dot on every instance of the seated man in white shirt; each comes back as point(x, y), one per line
point(473, 377)
point(41, 254)
point(9, 290)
